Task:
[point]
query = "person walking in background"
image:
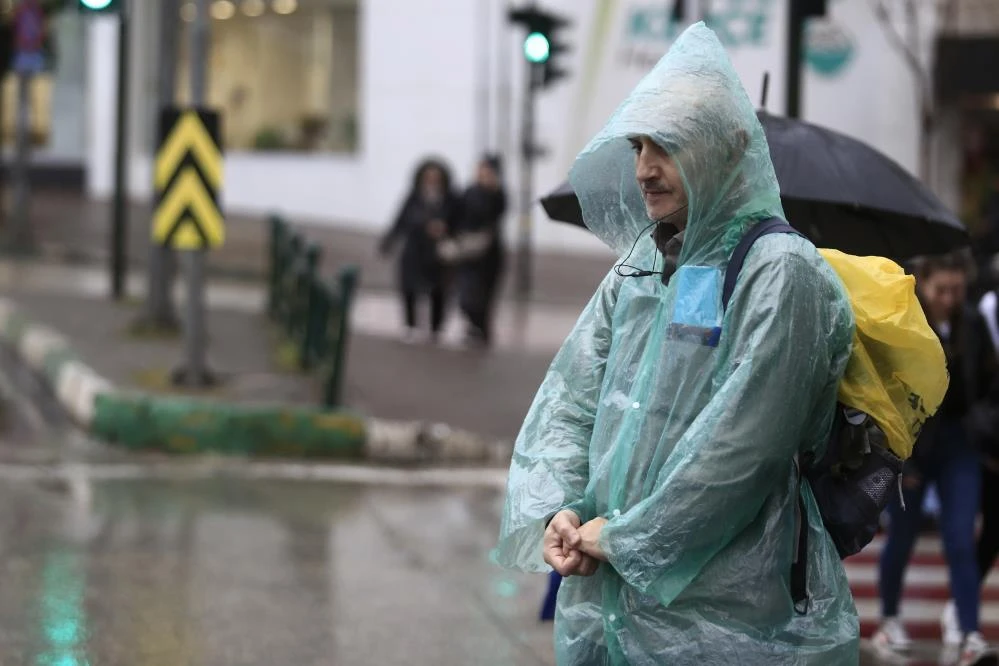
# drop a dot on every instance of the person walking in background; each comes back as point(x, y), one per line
point(481, 232)
point(430, 213)
point(983, 424)
point(945, 455)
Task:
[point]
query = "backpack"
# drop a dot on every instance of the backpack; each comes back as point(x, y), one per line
point(895, 379)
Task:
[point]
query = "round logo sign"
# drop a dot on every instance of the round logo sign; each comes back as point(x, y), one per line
point(828, 47)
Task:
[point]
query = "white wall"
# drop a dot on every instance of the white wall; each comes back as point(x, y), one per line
point(68, 92)
point(420, 93)
point(102, 75)
point(418, 83)
point(319, 188)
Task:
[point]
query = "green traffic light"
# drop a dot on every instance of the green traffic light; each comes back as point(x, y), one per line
point(536, 47)
point(96, 4)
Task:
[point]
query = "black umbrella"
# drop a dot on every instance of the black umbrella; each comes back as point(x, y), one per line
point(840, 192)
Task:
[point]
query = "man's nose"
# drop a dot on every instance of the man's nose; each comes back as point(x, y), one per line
point(645, 170)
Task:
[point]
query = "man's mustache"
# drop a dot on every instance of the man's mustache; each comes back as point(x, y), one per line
point(655, 188)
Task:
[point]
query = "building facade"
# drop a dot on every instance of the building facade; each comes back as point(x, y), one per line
point(328, 104)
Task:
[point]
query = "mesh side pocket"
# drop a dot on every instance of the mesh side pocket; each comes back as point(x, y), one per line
point(851, 502)
point(880, 483)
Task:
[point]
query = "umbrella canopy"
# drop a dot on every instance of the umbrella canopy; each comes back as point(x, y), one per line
point(840, 192)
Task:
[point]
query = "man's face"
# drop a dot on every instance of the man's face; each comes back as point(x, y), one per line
point(659, 178)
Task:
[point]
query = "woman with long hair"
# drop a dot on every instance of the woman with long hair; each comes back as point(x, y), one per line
point(430, 213)
point(947, 456)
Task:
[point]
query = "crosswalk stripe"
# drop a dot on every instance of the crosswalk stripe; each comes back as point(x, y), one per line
point(919, 574)
point(927, 545)
point(927, 590)
point(920, 610)
point(872, 557)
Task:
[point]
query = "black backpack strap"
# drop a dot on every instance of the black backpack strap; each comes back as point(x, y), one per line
point(774, 225)
point(799, 568)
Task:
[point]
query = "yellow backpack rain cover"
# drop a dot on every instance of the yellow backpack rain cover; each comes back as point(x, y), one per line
point(897, 372)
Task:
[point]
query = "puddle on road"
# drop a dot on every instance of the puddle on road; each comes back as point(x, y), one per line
point(236, 572)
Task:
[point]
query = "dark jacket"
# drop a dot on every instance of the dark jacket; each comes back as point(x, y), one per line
point(420, 268)
point(972, 397)
point(483, 211)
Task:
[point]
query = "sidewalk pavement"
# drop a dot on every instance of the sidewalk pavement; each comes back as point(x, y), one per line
point(73, 229)
point(417, 387)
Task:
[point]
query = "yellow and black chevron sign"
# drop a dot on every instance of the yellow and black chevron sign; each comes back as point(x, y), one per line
point(188, 179)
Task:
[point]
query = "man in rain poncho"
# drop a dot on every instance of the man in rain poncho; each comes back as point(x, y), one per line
point(666, 428)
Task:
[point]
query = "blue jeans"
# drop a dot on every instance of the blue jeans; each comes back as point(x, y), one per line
point(955, 467)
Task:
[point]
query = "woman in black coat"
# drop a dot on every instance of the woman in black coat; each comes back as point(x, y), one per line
point(430, 214)
point(483, 208)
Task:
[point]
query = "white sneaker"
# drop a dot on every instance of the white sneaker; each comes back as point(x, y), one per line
point(950, 631)
point(892, 636)
point(976, 652)
point(411, 336)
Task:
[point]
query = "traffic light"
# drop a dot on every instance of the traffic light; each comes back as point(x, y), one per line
point(542, 43)
point(99, 6)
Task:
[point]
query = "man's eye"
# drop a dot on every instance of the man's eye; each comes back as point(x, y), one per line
point(636, 146)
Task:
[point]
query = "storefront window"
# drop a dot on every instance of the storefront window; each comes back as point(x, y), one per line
point(282, 72)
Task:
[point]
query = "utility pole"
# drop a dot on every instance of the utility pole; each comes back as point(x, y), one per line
point(29, 61)
point(798, 13)
point(160, 314)
point(792, 66)
point(6, 56)
point(20, 238)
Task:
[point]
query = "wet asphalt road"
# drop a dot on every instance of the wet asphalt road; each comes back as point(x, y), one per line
point(236, 572)
point(230, 570)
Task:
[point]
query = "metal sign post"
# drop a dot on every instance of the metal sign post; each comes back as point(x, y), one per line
point(188, 178)
point(196, 338)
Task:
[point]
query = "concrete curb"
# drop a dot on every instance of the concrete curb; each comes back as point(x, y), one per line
point(48, 353)
point(175, 424)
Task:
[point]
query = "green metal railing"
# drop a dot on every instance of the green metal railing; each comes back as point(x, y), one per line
point(312, 312)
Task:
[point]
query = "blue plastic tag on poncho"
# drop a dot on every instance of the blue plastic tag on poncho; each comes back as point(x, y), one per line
point(697, 313)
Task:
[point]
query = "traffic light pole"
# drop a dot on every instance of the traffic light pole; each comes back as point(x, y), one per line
point(119, 219)
point(542, 46)
point(527, 154)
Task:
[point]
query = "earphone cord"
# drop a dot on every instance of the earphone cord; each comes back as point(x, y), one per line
point(635, 271)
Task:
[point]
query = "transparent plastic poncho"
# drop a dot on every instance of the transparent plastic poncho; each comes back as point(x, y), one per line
point(685, 442)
